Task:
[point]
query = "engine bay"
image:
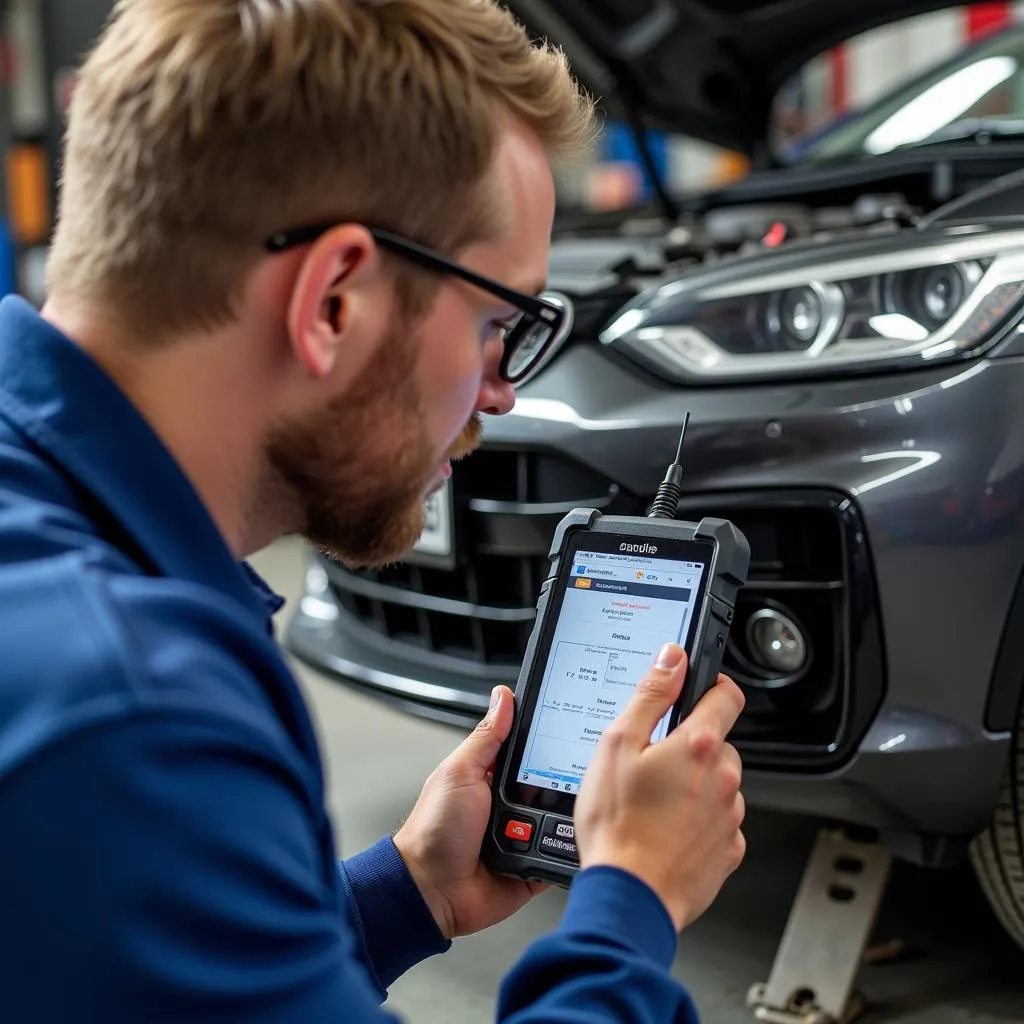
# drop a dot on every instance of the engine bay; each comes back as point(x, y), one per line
point(786, 208)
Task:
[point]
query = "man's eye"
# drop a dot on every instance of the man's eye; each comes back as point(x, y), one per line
point(503, 328)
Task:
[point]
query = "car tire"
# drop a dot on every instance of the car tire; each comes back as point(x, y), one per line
point(997, 855)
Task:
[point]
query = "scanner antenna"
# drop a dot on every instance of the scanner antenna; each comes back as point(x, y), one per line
point(682, 441)
point(666, 504)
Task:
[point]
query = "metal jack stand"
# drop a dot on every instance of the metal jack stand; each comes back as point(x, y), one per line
point(815, 970)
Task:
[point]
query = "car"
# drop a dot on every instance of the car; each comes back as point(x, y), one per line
point(846, 332)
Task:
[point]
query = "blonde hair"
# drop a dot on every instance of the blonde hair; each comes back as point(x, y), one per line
point(199, 128)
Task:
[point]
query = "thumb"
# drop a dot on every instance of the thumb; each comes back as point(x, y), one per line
point(655, 694)
point(479, 750)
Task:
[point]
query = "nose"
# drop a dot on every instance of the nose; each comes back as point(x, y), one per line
point(497, 397)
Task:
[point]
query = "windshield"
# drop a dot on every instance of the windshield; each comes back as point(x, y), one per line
point(980, 89)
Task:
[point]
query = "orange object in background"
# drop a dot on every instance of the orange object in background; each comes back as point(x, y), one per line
point(730, 167)
point(28, 193)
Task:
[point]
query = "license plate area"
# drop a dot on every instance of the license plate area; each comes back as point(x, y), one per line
point(436, 546)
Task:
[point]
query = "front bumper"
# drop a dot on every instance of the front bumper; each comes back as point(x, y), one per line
point(885, 511)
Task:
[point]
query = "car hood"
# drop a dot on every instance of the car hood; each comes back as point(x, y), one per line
point(704, 68)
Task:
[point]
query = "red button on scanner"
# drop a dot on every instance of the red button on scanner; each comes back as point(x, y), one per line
point(519, 831)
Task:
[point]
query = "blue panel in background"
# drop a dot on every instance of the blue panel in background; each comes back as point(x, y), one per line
point(8, 261)
point(618, 145)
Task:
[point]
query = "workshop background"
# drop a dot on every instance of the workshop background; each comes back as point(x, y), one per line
point(938, 956)
point(43, 39)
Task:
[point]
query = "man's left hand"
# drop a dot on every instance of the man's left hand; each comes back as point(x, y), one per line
point(440, 843)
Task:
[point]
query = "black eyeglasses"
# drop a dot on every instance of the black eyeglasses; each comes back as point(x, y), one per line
point(531, 337)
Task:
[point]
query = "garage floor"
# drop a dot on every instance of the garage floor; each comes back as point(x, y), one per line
point(964, 969)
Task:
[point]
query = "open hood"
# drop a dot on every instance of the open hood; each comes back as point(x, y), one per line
point(704, 68)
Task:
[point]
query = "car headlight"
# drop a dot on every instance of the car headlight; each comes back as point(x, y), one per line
point(822, 309)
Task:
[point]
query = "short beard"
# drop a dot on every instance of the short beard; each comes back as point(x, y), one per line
point(358, 470)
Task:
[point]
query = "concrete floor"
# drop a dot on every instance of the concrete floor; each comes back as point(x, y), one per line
point(964, 970)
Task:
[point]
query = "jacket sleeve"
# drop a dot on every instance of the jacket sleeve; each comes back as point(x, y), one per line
point(607, 963)
point(380, 892)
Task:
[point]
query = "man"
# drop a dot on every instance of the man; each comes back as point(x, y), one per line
point(298, 247)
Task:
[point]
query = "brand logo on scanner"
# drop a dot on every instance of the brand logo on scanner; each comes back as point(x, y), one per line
point(639, 549)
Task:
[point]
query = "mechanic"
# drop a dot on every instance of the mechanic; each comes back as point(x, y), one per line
point(233, 349)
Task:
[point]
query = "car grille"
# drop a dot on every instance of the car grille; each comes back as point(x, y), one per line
point(808, 561)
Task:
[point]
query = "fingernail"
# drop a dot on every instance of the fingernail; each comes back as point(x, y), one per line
point(495, 697)
point(671, 655)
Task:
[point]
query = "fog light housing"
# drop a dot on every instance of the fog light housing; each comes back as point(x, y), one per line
point(777, 642)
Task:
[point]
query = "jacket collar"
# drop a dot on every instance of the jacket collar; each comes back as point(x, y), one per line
point(60, 398)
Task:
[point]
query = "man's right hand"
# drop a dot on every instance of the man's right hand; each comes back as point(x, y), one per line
point(669, 813)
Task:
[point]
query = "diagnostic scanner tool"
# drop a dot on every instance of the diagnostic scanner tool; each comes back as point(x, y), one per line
point(619, 589)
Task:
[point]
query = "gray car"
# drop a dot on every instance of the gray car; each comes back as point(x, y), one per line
point(847, 334)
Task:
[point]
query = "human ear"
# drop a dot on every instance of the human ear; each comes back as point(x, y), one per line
point(320, 309)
